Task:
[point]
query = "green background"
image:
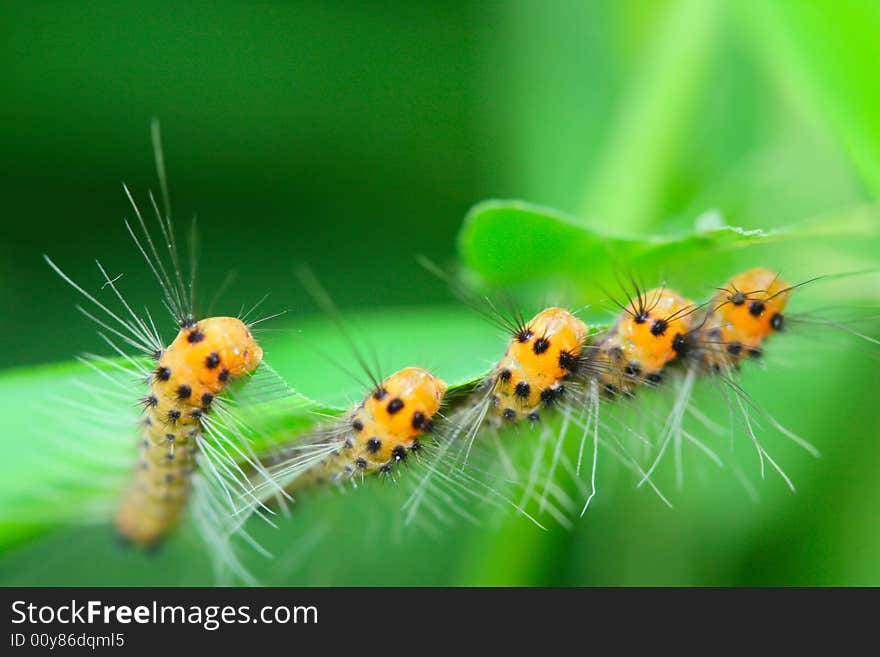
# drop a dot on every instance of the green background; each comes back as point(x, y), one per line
point(355, 136)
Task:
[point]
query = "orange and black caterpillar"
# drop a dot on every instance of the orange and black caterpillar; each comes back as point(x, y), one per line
point(190, 373)
point(184, 382)
point(538, 365)
point(648, 335)
point(747, 310)
point(372, 438)
point(540, 355)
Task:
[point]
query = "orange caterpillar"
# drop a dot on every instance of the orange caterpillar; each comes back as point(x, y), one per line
point(532, 374)
point(184, 378)
point(745, 312)
point(647, 336)
point(538, 357)
point(190, 373)
point(372, 438)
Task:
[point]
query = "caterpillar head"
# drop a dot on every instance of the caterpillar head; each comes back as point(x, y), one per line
point(651, 332)
point(749, 307)
point(213, 351)
point(396, 413)
point(651, 329)
point(540, 354)
point(548, 346)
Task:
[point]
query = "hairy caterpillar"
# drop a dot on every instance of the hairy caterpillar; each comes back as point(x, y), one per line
point(190, 373)
point(647, 336)
point(539, 356)
point(186, 425)
point(556, 361)
point(745, 312)
point(545, 365)
point(371, 438)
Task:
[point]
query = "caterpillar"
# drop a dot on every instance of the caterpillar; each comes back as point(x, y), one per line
point(539, 356)
point(190, 373)
point(371, 438)
point(188, 422)
point(544, 366)
point(648, 335)
point(747, 310)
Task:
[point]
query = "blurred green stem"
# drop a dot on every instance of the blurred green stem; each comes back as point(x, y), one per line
point(655, 111)
point(819, 54)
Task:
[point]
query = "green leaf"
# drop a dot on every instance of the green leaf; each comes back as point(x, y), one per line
point(511, 244)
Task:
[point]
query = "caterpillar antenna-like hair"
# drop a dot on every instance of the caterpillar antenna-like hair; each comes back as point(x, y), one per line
point(511, 323)
point(313, 287)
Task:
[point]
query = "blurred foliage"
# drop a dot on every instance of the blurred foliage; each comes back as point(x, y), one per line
point(355, 138)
